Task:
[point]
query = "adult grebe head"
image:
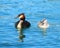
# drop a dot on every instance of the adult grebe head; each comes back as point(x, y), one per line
point(21, 16)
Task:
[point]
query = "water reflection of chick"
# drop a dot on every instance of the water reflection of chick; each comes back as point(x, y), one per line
point(44, 32)
point(21, 24)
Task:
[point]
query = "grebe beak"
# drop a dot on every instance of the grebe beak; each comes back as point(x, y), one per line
point(16, 17)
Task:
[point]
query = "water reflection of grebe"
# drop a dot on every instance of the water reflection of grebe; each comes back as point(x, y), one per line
point(21, 36)
point(21, 24)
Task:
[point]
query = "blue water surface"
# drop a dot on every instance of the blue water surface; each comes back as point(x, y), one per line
point(35, 10)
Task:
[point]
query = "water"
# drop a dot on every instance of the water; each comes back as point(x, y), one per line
point(35, 10)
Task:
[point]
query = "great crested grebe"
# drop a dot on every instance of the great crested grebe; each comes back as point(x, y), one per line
point(22, 23)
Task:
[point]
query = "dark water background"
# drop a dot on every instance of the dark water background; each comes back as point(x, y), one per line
point(35, 10)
